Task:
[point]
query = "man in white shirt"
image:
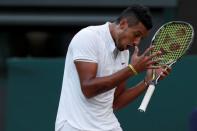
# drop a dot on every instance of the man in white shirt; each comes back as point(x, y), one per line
point(96, 69)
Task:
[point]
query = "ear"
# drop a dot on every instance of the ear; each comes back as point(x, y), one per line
point(123, 24)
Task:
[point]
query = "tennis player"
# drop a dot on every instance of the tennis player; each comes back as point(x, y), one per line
point(96, 69)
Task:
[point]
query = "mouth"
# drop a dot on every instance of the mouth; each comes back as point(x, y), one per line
point(129, 46)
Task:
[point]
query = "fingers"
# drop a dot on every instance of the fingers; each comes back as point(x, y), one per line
point(149, 75)
point(144, 61)
point(153, 67)
point(136, 51)
point(163, 74)
point(166, 70)
point(167, 67)
point(152, 64)
point(147, 50)
point(155, 54)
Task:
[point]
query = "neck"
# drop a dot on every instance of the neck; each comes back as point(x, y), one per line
point(112, 29)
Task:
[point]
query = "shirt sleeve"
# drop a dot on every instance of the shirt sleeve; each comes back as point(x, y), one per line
point(84, 46)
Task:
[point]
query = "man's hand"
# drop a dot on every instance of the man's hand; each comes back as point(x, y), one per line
point(163, 71)
point(144, 61)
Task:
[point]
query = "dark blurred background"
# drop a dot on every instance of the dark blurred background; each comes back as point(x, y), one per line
point(34, 36)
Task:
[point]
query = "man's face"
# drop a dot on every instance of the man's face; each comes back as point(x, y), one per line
point(129, 36)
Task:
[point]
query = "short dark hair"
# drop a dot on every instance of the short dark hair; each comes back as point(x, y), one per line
point(135, 14)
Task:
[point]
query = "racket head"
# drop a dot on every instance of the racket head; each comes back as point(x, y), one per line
point(173, 39)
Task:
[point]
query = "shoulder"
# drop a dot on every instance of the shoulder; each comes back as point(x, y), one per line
point(85, 46)
point(89, 36)
point(85, 35)
point(88, 32)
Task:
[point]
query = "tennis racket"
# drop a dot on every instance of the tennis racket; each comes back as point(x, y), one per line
point(173, 39)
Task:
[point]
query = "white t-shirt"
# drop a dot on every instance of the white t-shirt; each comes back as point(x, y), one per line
point(93, 44)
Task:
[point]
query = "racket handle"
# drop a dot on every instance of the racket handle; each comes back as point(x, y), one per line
point(147, 98)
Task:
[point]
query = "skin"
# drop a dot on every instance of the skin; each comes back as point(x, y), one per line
point(124, 37)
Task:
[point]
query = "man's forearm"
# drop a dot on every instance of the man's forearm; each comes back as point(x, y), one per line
point(129, 95)
point(99, 85)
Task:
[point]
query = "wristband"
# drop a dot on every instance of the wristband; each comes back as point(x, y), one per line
point(133, 69)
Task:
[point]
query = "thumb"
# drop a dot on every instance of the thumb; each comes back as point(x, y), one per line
point(150, 75)
point(136, 50)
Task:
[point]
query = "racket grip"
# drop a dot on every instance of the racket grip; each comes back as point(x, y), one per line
point(147, 98)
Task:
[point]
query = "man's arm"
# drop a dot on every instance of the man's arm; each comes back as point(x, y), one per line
point(123, 96)
point(92, 85)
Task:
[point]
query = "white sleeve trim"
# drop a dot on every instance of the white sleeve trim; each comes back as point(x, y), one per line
point(85, 59)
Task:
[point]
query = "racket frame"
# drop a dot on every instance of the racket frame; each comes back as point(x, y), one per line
point(151, 88)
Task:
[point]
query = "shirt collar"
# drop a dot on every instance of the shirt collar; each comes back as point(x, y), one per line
point(111, 43)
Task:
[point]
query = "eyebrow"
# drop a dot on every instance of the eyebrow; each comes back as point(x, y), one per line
point(139, 33)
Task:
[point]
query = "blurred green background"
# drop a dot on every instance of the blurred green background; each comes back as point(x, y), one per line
point(34, 37)
point(34, 87)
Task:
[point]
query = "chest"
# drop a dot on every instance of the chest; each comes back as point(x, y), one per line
point(109, 64)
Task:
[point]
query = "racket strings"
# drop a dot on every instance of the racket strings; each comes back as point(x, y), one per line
point(173, 41)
